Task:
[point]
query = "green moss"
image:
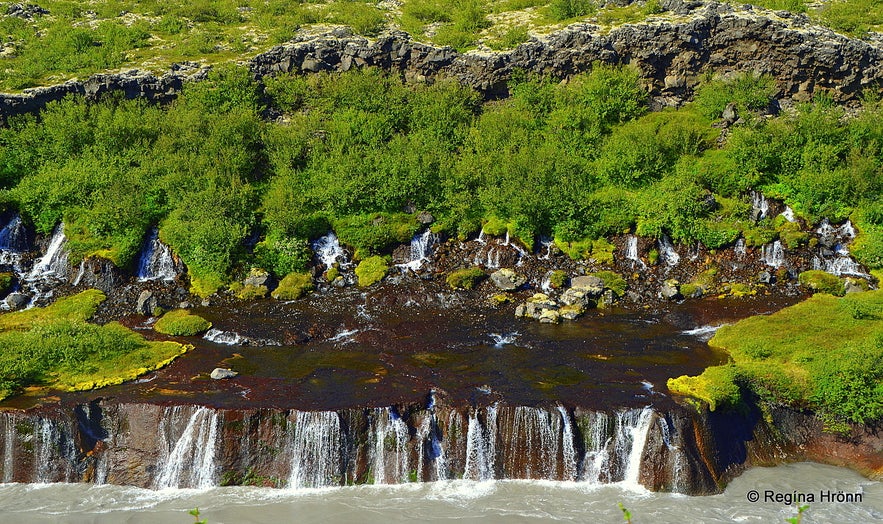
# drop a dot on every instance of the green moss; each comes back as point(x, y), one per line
point(599, 250)
point(824, 354)
point(738, 289)
point(5, 282)
point(612, 281)
point(495, 227)
point(653, 257)
point(692, 290)
point(465, 278)
point(558, 279)
point(717, 386)
point(55, 347)
point(331, 274)
point(181, 322)
point(252, 292)
point(821, 282)
point(375, 232)
point(371, 270)
point(791, 235)
point(293, 286)
point(499, 299)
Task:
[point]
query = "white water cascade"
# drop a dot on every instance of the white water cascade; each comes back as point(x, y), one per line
point(13, 240)
point(568, 450)
point(229, 338)
point(631, 252)
point(773, 254)
point(633, 427)
point(597, 455)
point(739, 249)
point(535, 432)
point(329, 251)
point(759, 205)
point(667, 251)
point(390, 447)
point(9, 438)
point(54, 262)
point(191, 457)
point(421, 250)
point(156, 261)
point(315, 449)
point(481, 446)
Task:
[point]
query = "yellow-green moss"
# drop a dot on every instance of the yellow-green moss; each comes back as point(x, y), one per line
point(821, 282)
point(371, 270)
point(465, 278)
point(181, 322)
point(293, 286)
point(252, 292)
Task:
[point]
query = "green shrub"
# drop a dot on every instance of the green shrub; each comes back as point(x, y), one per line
point(371, 270)
point(181, 322)
point(377, 232)
point(465, 278)
point(748, 91)
point(294, 286)
point(821, 282)
point(566, 9)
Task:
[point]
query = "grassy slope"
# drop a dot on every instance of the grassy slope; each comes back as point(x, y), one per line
point(55, 347)
point(825, 354)
point(79, 38)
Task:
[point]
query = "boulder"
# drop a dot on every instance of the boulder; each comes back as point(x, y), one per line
point(146, 303)
point(507, 279)
point(17, 300)
point(670, 290)
point(589, 284)
point(222, 373)
point(259, 277)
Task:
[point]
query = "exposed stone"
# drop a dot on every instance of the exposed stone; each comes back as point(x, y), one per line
point(589, 284)
point(670, 290)
point(17, 300)
point(549, 316)
point(571, 312)
point(851, 285)
point(730, 115)
point(507, 279)
point(425, 218)
point(259, 277)
point(222, 373)
point(146, 303)
point(765, 277)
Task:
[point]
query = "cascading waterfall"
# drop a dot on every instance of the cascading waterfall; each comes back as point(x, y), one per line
point(9, 439)
point(481, 446)
point(788, 214)
point(54, 262)
point(597, 442)
point(633, 428)
point(13, 240)
point(759, 205)
point(315, 449)
point(191, 458)
point(739, 249)
point(156, 261)
point(773, 254)
point(631, 252)
point(667, 251)
point(421, 250)
point(390, 450)
point(329, 251)
point(546, 243)
point(536, 432)
point(840, 266)
point(568, 450)
point(218, 336)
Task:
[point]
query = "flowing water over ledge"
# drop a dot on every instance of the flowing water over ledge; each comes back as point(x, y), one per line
point(463, 501)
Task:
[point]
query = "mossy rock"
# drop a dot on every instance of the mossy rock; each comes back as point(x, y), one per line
point(738, 290)
point(182, 323)
point(692, 290)
point(495, 227)
point(252, 292)
point(612, 281)
point(821, 282)
point(371, 270)
point(499, 299)
point(293, 286)
point(718, 386)
point(653, 257)
point(791, 235)
point(558, 279)
point(465, 278)
point(5, 282)
point(332, 273)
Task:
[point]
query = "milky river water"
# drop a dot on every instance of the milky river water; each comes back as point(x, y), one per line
point(457, 501)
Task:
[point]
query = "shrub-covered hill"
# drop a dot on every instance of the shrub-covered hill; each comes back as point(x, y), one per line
point(361, 153)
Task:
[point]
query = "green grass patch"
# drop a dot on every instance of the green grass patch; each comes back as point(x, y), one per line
point(55, 347)
point(181, 323)
point(465, 278)
point(371, 270)
point(294, 286)
point(824, 354)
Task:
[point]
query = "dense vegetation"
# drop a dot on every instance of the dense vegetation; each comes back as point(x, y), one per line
point(77, 38)
point(361, 152)
point(825, 354)
point(56, 347)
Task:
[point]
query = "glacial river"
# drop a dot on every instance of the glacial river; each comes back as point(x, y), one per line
point(454, 501)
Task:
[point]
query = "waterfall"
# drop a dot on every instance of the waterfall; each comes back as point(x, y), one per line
point(631, 436)
point(80, 273)
point(825, 229)
point(481, 446)
point(9, 438)
point(596, 439)
point(788, 214)
point(229, 338)
point(156, 261)
point(421, 250)
point(759, 205)
point(13, 236)
point(841, 265)
point(631, 252)
point(531, 450)
point(481, 239)
point(846, 230)
point(739, 248)
point(315, 449)
point(773, 254)
point(390, 449)
point(329, 251)
point(546, 243)
point(493, 258)
point(667, 251)
point(54, 262)
point(568, 450)
point(191, 459)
